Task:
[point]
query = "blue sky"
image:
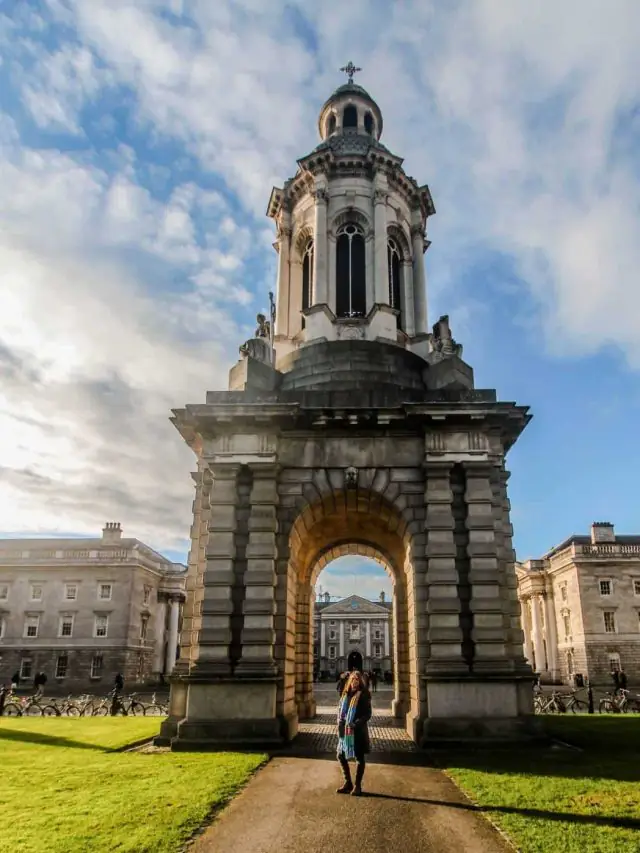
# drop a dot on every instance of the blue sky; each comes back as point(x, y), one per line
point(139, 141)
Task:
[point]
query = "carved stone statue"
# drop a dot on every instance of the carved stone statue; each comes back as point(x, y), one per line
point(351, 478)
point(442, 341)
point(264, 327)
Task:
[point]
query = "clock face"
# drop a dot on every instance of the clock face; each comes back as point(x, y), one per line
point(354, 605)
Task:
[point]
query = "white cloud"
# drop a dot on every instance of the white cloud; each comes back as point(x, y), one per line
point(519, 115)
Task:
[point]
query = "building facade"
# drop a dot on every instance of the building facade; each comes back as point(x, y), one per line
point(580, 607)
point(352, 624)
point(82, 610)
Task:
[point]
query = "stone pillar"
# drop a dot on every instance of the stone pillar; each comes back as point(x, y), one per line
point(386, 639)
point(408, 308)
point(214, 638)
point(323, 638)
point(172, 639)
point(443, 602)
point(552, 634)
point(160, 622)
point(490, 601)
point(526, 629)
point(538, 647)
point(284, 287)
point(419, 280)
point(320, 293)
point(341, 650)
point(259, 608)
point(368, 640)
point(381, 263)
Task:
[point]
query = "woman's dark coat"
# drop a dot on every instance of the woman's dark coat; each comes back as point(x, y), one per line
point(361, 741)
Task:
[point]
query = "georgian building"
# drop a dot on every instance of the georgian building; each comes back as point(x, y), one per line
point(580, 607)
point(348, 625)
point(82, 610)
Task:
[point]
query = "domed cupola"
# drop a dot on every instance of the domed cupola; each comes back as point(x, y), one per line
point(350, 109)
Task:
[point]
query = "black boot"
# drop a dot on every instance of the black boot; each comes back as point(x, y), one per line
point(357, 788)
point(347, 787)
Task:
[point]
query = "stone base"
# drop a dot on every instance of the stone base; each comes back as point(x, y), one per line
point(479, 709)
point(229, 714)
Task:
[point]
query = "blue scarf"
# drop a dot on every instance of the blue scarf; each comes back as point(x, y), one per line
point(347, 708)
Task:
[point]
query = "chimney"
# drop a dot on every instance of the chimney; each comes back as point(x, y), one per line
point(382, 598)
point(602, 531)
point(112, 532)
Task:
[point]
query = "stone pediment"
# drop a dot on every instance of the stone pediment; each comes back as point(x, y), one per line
point(354, 605)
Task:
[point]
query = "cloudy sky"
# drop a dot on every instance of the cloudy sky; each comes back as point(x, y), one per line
point(139, 141)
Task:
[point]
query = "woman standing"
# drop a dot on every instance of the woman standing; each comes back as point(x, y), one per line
point(354, 712)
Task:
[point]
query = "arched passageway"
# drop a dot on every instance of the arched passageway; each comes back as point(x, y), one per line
point(346, 521)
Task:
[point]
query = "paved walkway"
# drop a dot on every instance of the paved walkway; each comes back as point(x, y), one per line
point(290, 806)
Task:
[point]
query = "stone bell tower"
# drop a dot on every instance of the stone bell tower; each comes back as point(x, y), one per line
point(349, 428)
point(351, 229)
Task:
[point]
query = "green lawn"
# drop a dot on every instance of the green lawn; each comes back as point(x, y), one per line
point(550, 800)
point(63, 789)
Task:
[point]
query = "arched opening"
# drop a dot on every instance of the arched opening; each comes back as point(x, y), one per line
point(351, 291)
point(307, 277)
point(331, 124)
point(353, 623)
point(350, 116)
point(368, 122)
point(395, 282)
point(347, 522)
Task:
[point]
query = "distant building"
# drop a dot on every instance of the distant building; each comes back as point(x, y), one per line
point(352, 624)
point(82, 610)
point(580, 606)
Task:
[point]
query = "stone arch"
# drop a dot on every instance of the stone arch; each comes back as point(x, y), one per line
point(396, 232)
point(301, 238)
point(357, 217)
point(326, 524)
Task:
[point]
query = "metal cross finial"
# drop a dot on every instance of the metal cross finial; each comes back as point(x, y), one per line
point(350, 69)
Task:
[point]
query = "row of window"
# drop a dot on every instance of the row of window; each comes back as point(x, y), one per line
point(104, 592)
point(377, 651)
point(351, 297)
point(354, 633)
point(605, 587)
point(615, 664)
point(608, 618)
point(350, 119)
point(66, 625)
point(62, 666)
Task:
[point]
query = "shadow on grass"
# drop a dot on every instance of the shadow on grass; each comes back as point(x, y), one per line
point(598, 820)
point(50, 740)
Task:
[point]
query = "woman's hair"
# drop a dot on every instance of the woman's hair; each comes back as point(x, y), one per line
point(355, 681)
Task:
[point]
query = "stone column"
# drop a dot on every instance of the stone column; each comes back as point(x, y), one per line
point(552, 634)
point(538, 647)
point(368, 640)
point(323, 638)
point(490, 601)
point(381, 263)
point(172, 639)
point(283, 298)
point(419, 280)
point(341, 650)
point(161, 618)
point(320, 293)
point(526, 630)
point(258, 632)
point(443, 602)
point(386, 639)
point(409, 302)
point(214, 638)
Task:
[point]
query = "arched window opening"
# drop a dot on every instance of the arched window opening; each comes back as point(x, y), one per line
point(351, 293)
point(307, 277)
point(350, 117)
point(570, 666)
point(331, 124)
point(368, 122)
point(393, 256)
